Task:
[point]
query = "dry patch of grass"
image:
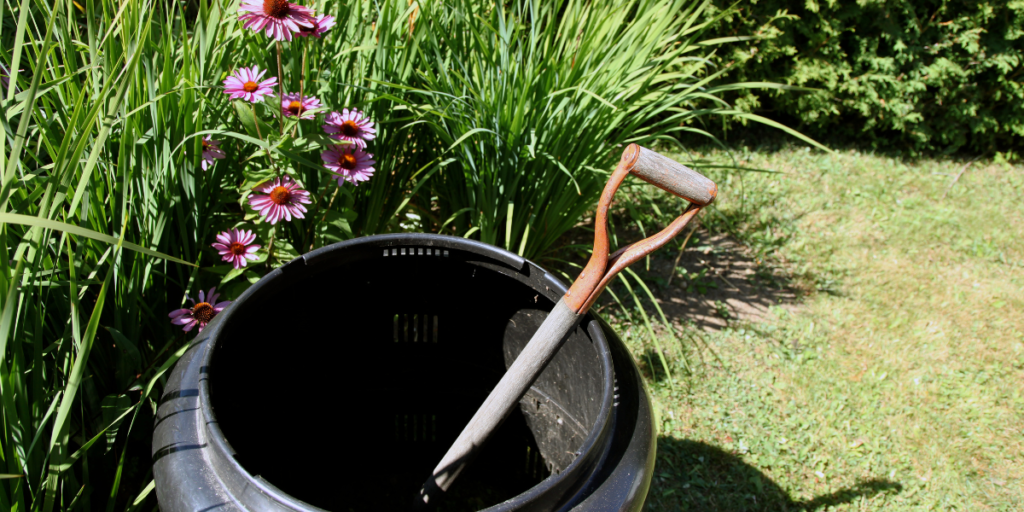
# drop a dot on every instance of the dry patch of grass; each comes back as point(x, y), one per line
point(897, 381)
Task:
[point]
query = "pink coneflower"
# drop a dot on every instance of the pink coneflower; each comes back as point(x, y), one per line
point(234, 246)
point(279, 18)
point(292, 106)
point(351, 164)
point(201, 312)
point(211, 152)
point(280, 199)
point(321, 24)
point(245, 84)
point(350, 126)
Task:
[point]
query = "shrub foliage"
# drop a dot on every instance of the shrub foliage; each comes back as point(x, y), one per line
point(929, 75)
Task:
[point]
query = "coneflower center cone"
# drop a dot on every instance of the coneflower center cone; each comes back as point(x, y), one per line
point(280, 195)
point(350, 128)
point(250, 86)
point(205, 144)
point(347, 160)
point(276, 8)
point(295, 107)
point(203, 312)
point(237, 248)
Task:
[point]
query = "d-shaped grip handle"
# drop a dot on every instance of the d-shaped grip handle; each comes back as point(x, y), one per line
point(671, 176)
point(660, 171)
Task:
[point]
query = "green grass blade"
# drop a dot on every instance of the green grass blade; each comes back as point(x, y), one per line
point(664, 320)
point(15, 218)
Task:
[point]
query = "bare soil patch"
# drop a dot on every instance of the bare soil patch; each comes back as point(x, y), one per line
point(738, 287)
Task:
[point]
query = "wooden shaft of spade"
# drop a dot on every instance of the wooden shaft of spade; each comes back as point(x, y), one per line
point(506, 395)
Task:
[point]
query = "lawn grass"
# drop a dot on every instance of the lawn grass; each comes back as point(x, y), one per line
point(893, 381)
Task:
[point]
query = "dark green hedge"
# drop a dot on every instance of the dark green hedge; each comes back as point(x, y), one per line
point(924, 75)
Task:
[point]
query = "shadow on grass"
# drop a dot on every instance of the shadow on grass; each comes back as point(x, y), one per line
point(691, 475)
point(714, 281)
point(718, 280)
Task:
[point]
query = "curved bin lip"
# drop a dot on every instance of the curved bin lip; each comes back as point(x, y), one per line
point(262, 493)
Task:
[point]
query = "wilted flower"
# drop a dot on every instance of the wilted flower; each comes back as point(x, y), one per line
point(351, 126)
point(321, 24)
point(201, 313)
point(278, 18)
point(245, 84)
point(211, 151)
point(293, 106)
point(280, 199)
point(234, 246)
point(350, 163)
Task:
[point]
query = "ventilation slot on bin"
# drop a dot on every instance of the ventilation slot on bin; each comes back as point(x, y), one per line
point(535, 466)
point(418, 428)
point(415, 251)
point(415, 328)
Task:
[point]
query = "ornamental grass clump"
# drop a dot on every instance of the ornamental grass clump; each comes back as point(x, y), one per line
point(534, 101)
point(133, 135)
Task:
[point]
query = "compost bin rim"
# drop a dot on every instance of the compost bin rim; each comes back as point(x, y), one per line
point(586, 454)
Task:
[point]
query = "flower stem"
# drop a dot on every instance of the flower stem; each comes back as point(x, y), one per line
point(302, 76)
point(256, 120)
point(280, 86)
point(331, 202)
point(270, 250)
point(319, 206)
point(327, 210)
point(302, 83)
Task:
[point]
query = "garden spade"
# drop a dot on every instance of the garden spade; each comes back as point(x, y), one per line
point(649, 166)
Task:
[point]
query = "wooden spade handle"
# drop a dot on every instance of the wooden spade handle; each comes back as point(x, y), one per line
point(671, 176)
point(660, 171)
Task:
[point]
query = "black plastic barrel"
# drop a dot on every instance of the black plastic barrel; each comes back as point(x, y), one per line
point(338, 381)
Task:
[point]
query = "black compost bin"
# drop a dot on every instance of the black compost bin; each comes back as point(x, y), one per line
point(339, 380)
